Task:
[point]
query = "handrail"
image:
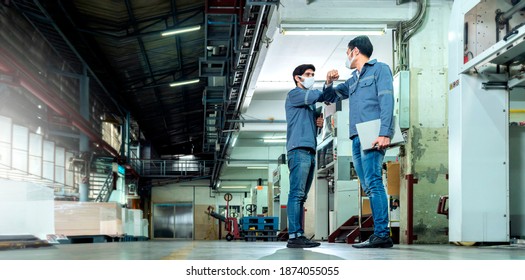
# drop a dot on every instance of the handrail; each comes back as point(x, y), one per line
point(171, 168)
point(105, 190)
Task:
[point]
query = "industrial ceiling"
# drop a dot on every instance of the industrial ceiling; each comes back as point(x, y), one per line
point(119, 44)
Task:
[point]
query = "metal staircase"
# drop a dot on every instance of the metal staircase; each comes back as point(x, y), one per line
point(351, 232)
point(104, 189)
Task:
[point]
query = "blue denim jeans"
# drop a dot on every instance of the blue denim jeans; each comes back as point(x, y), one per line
point(368, 165)
point(301, 164)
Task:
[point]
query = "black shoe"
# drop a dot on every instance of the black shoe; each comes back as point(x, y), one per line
point(375, 242)
point(301, 242)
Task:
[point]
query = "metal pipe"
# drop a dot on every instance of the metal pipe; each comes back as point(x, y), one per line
point(257, 121)
point(410, 208)
point(413, 28)
point(251, 160)
point(243, 180)
point(409, 24)
point(251, 56)
point(506, 16)
point(83, 187)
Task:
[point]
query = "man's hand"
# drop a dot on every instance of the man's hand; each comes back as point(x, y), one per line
point(381, 142)
point(320, 121)
point(331, 76)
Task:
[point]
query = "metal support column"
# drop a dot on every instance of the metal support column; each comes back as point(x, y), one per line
point(84, 139)
point(124, 147)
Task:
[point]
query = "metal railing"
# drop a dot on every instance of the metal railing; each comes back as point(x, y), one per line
point(105, 190)
point(172, 168)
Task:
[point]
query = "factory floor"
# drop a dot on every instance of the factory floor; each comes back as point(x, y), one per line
point(258, 250)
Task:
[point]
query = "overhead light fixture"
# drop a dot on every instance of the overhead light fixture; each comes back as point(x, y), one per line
point(234, 141)
point(332, 29)
point(181, 83)
point(256, 167)
point(233, 187)
point(274, 140)
point(180, 30)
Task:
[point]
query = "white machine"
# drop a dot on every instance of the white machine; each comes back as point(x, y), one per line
point(281, 183)
point(486, 56)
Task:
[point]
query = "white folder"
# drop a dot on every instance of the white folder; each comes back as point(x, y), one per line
point(369, 131)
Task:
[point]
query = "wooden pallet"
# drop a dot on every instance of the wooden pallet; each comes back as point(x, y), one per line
point(8, 242)
point(265, 235)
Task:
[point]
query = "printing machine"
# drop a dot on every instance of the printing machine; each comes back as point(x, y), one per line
point(486, 138)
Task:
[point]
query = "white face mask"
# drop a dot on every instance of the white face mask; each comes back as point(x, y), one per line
point(308, 82)
point(348, 62)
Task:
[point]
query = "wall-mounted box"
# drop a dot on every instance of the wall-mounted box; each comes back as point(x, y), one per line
point(402, 98)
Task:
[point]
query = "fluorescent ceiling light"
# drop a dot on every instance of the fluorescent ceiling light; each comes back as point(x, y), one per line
point(233, 187)
point(274, 140)
point(181, 30)
point(181, 83)
point(332, 29)
point(256, 167)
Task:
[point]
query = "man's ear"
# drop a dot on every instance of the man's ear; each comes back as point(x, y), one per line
point(297, 79)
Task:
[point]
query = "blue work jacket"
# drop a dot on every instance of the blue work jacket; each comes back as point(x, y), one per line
point(371, 96)
point(301, 118)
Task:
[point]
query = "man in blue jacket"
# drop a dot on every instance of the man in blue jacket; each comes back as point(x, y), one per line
point(301, 136)
point(370, 90)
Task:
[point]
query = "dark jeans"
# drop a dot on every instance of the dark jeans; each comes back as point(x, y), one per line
point(301, 164)
point(368, 165)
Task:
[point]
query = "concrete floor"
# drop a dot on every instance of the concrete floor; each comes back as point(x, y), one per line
point(259, 250)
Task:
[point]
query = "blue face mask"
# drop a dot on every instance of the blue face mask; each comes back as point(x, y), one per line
point(308, 82)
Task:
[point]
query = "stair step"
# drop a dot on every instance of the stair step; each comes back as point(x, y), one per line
point(348, 227)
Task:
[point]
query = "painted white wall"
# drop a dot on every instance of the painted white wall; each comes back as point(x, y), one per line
point(255, 153)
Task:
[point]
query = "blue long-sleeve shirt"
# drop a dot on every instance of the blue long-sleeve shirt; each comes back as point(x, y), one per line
point(371, 96)
point(301, 118)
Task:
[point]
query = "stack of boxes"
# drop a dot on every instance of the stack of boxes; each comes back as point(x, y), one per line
point(98, 218)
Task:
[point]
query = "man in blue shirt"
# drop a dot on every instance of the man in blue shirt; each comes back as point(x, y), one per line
point(370, 90)
point(301, 142)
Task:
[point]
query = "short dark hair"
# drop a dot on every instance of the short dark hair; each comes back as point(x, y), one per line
point(299, 70)
point(363, 44)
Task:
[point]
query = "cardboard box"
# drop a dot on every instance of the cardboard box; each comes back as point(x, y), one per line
point(393, 174)
point(88, 218)
point(365, 207)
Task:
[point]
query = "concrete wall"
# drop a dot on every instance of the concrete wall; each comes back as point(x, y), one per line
point(427, 148)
